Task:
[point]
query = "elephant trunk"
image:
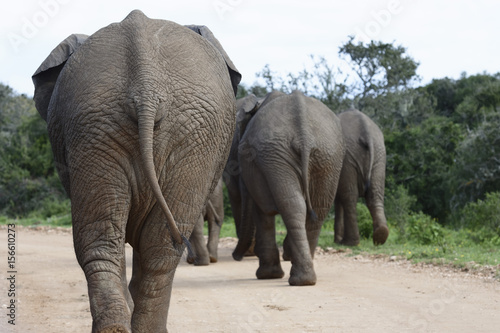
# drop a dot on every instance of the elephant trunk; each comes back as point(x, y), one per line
point(146, 119)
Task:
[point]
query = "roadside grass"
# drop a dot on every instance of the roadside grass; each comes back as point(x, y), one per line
point(63, 220)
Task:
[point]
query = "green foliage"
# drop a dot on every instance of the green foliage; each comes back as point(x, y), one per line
point(422, 229)
point(476, 170)
point(398, 205)
point(380, 67)
point(483, 217)
point(420, 158)
point(365, 222)
point(28, 180)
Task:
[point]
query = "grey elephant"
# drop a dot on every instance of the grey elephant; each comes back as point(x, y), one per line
point(290, 154)
point(246, 108)
point(363, 175)
point(213, 213)
point(140, 116)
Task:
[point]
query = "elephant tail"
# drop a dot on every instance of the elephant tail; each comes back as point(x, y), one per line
point(371, 153)
point(216, 216)
point(146, 120)
point(303, 132)
point(306, 152)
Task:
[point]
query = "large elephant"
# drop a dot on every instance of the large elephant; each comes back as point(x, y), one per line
point(363, 175)
point(140, 116)
point(213, 213)
point(290, 153)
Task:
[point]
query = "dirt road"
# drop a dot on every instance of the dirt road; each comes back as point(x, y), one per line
point(353, 294)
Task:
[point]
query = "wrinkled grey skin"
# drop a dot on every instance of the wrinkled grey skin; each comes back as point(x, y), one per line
point(140, 116)
point(246, 108)
point(363, 175)
point(290, 154)
point(213, 213)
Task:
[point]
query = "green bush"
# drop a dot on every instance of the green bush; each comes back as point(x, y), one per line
point(423, 229)
point(22, 195)
point(398, 205)
point(365, 222)
point(482, 218)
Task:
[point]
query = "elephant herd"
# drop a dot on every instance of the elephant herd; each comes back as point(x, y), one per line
point(143, 123)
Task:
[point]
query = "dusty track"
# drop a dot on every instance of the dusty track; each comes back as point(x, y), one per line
point(353, 294)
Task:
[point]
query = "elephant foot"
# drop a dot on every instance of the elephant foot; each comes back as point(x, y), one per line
point(380, 235)
point(302, 278)
point(213, 259)
point(270, 272)
point(237, 256)
point(198, 261)
point(201, 261)
point(115, 328)
point(243, 249)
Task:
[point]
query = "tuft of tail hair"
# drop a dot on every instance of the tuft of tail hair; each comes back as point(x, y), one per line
point(188, 246)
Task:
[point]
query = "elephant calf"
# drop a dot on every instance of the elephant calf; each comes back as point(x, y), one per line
point(363, 175)
point(290, 152)
point(213, 213)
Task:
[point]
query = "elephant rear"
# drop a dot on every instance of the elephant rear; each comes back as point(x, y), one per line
point(140, 118)
point(290, 155)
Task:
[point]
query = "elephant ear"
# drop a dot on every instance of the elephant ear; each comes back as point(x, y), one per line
point(246, 108)
point(208, 35)
point(46, 75)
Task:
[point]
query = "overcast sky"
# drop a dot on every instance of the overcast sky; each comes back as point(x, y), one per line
point(446, 37)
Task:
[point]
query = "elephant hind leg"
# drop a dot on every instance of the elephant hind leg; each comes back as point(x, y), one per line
point(114, 329)
point(339, 223)
point(99, 240)
point(213, 238)
point(298, 245)
point(159, 257)
point(350, 236)
point(266, 248)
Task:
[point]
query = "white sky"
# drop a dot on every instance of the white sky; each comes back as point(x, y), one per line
point(446, 37)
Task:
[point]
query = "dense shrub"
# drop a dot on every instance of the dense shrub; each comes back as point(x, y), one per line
point(423, 229)
point(365, 222)
point(398, 205)
point(483, 217)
